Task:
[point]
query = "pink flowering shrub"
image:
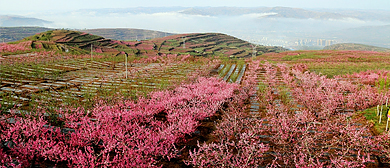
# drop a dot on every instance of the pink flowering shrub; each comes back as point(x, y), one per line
point(22, 46)
point(370, 77)
point(237, 142)
point(127, 134)
point(315, 130)
point(98, 50)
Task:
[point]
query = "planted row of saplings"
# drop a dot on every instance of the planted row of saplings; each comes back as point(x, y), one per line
point(84, 88)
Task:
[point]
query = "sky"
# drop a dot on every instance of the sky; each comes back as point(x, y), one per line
point(24, 6)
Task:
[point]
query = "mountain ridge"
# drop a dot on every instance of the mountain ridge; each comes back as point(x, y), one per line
point(15, 21)
point(282, 12)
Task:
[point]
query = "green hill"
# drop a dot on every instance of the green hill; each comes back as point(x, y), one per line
point(357, 47)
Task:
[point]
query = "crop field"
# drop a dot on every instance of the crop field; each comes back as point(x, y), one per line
point(157, 103)
point(71, 81)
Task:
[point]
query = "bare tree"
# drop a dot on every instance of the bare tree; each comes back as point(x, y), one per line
point(184, 42)
point(254, 46)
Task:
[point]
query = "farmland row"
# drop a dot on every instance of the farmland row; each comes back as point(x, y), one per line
point(232, 73)
point(81, 80)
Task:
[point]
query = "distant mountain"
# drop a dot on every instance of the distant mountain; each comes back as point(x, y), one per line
point(357, 47)
point(17, 33)
point(378, 15)
point(267, 12)
point(135, 10)
point(279, 12)
point(127, 34)
point(16, 21)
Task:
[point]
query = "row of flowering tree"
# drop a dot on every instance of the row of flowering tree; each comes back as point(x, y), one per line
point(127, 134)
point(314, 127)
point(22, 46)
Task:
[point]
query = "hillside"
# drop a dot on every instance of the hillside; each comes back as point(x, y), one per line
point(10, 34)
point(127, 34)
point(356, 47)
point(196, 44)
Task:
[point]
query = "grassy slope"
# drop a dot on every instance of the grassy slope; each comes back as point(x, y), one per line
point(332, 63)
point(357, 47)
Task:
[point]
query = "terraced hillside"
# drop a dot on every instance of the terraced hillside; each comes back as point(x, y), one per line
point(197, 44)
point(209, 44)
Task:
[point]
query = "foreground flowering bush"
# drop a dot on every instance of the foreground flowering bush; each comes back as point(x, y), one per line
point(128, 134)
point(23, 46)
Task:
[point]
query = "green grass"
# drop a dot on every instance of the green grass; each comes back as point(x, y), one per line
point(224, 71)
point(234, 75)
point(343, 68)
point(383, 84)
point(86, 38)
point(301, 56)
point(45, 98)
point(21, 52)
point(372, 117)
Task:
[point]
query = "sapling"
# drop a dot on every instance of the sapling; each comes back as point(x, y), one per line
point(388, 118)
point(126, 63)
point(380, 114)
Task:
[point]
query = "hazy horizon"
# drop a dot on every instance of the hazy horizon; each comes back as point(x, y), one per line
point(282, 31)
point(24, 7)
